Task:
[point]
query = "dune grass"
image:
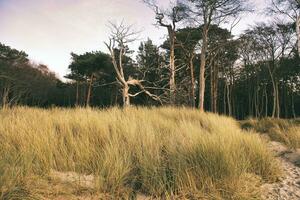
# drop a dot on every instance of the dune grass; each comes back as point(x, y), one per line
point(163, 153)
point(280, 130)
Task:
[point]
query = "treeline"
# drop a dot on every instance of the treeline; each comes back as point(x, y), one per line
point(26, 83)
point(255, 74)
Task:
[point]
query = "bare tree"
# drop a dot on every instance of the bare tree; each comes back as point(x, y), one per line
point(206, 12)
point(169, 20)
point(120, 36)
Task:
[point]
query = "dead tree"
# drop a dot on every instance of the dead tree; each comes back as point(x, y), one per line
point(120, 36)
point(169, 19)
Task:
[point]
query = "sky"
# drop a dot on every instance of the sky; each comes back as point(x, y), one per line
point(49, 30)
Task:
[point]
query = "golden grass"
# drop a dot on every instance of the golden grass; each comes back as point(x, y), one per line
point(280, 130)
point(163, 153)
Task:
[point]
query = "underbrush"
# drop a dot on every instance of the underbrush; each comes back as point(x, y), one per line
point(280, 130)
point(164, 153)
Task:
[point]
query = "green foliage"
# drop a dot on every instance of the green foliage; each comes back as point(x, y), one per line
point(91, 62)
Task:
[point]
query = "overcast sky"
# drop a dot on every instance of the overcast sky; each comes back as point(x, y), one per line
point(49, 30)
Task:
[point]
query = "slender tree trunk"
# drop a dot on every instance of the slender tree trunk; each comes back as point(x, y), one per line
point(193, 103)
point(298, 33)
point(224, 99)
point(293, 106)
point(261, 110)
point(126, 97)
point(232, 101)
point(5, 97)
point(172, 67)
point(215, 95)
point(266, 114)
point(77, 93)
point(255, 104)
point(274, 92)
point(231, 88)
point(213, 87)
point(84, 94)
point(202, 69)
point(249, 102)
point(229, 99)
point(277, 101)
point(285, 101)
point(88, 98)
point(274, 99)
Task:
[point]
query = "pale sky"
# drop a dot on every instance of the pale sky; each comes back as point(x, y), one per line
point(49, 30)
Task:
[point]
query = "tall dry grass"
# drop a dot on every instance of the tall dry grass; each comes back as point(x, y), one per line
point(280, 130)
point(163, 153)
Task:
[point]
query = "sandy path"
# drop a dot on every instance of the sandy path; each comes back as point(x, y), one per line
point(288, 187)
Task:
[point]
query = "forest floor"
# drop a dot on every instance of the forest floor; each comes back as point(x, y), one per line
point(288, 187)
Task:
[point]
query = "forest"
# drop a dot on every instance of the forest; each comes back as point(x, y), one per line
point(200, 64)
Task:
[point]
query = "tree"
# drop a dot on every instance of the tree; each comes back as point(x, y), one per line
point(206, 12)
point(290, 9)
point(120, 36)
point(169, 20)
point(188, 40)
point(221, 53)
point(89, 67)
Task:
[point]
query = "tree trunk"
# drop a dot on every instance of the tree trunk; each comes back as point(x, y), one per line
point(172, 67)
point(285, 101)
point(255, 103)
point(215, 92)
point(126, 97)
point(192, 82)
point(229, 99)
point(224, 99)
point(249, 102)
point(298, 33)
point(172, 77)
point(202, 69)
point(293, 106)
point(266, 115)
point(88, 98)
point(274, 91)
point(276, 105)
point(5, 97)
point(213, 87)
point(277, 101)
point(77, 94)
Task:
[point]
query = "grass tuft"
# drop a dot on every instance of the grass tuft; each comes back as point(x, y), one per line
point(280, 130)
